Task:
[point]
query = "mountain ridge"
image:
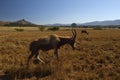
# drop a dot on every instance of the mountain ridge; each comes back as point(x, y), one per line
point(103, 23)
point(93, 23)
point(24, 22)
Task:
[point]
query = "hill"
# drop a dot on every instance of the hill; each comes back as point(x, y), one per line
point(22, 22)
point(103, 23)
point(2, 23)
point(94, 23)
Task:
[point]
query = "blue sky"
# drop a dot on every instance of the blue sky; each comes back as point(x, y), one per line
point(59, 11)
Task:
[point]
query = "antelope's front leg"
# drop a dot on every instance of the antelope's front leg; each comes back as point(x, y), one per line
point(56, 53)
point(37, 57)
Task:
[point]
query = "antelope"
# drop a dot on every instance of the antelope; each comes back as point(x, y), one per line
point(50, 42)
point(84, 31)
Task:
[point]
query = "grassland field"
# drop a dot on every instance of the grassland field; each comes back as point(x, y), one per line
point(98, 57)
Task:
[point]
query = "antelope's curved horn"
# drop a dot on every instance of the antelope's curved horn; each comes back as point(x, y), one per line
point(74, 34)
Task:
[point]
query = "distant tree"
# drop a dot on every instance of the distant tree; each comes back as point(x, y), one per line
point(73, 25)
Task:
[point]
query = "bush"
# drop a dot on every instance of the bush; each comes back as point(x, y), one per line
point(41, 28)
point(23, 72)
point(118, 27)
point(97, 28)
point(53, 28)
point(18, 29)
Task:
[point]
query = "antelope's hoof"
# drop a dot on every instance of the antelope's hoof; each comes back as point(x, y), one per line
point(36, 61)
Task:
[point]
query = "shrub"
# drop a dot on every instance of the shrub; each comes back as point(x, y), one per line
point(23, 72)
point(97, 28)
point(41, 28)
point(118, 27)
point(53, 28)
point(18, 29)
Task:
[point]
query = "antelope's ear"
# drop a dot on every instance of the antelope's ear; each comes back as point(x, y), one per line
point(57, 39)
point(73, 31)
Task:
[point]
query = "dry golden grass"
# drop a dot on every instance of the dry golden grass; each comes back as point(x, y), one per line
point(98, 57)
